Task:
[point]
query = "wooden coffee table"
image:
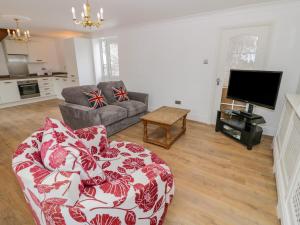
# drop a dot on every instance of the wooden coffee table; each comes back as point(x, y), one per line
point(165, 117)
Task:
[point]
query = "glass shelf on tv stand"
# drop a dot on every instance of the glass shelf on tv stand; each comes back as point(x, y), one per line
point(254, 119)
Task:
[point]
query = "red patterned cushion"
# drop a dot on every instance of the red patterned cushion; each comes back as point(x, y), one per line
point(61, 149)
point(120, 94)
point(96, 99)
point(95, 139)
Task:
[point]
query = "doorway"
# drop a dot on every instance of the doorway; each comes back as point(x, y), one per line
point(240, 48)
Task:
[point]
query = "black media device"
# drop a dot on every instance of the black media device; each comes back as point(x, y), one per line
point(255, 87)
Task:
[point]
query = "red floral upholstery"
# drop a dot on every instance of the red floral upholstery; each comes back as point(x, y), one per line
point(62, 149)
point(138, 189)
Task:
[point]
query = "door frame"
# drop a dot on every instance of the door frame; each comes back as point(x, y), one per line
point(223, 29)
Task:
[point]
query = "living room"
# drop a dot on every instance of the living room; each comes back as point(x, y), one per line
point(147, 79)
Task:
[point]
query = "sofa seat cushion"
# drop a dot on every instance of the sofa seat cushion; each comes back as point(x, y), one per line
point(112, 113)
point(62, 150)
point(133, 107)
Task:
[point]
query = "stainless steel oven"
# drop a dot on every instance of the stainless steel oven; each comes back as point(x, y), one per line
point(29, 89)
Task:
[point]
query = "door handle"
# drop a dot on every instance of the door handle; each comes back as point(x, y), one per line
point(218, 81)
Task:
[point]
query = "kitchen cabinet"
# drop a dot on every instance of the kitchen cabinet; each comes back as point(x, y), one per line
point(46, 87)
point(60, 83)
point(3, 64)
point(15, 47)
point(36, 52)
point(9, 92)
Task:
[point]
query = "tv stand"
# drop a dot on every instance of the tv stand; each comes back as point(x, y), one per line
point(241, 127)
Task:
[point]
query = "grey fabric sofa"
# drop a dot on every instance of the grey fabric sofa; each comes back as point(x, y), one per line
point(116, 116)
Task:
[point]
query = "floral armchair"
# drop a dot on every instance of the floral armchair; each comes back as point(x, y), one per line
point(138, 186)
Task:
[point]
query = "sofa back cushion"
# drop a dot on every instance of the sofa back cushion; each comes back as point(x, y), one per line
point(75, 95)
point(107, 89)
point(62, 150)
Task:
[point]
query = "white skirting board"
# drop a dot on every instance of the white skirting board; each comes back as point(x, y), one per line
point(27, 101)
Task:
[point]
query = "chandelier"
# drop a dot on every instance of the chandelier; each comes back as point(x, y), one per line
point(86, 19)
point(17, 34)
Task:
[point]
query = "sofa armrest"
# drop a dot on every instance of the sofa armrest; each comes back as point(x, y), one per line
point(141, 97)
point(78, 116)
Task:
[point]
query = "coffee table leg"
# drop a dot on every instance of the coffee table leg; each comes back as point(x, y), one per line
point(145, 131)
point(184, 124)
point(168, 137)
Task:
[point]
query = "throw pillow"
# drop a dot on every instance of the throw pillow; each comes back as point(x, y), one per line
point(95, 139)
point(96, 99)
point(120, 94)
point(61, 149)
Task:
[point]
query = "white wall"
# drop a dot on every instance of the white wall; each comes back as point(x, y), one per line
point(85, 60)
point(166, 59)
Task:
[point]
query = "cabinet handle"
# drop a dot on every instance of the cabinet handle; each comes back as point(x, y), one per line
point(47, 94)
point(72, 75)
point(73, 81)
point(65, 79)
point(8, 82)
point(45, 79)
point(57, 79)
point(47, 89)
point(46, 83)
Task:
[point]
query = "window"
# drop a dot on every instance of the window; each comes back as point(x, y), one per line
point(110, 59)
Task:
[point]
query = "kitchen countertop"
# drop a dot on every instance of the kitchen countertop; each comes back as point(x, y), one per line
point(33, 76)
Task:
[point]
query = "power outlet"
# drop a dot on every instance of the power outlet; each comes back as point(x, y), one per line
point(177, 102)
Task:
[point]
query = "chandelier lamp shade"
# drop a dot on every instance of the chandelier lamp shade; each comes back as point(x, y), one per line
point(17, 34)
point(86, 19)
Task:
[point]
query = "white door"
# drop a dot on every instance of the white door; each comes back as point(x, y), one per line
point(240, 48)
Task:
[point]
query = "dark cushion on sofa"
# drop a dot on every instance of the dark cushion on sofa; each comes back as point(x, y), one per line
point(112, 113)
point(133, 107)
point(106, 88)
point(76, 96)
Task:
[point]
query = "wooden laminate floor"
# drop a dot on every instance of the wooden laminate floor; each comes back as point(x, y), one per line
point(217, 180)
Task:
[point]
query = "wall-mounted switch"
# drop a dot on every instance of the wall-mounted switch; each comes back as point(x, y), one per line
point(177, 102)
point(205, 61)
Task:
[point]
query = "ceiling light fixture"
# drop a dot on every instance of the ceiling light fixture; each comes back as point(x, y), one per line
point(86, 19)
point(17, 34)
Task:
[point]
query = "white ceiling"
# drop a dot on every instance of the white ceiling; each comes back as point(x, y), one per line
point(55, 15)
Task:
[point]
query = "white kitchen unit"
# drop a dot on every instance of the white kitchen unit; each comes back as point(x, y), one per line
point(3, 64)
point(79, 60)
point(36, 52)
point(15, 47)
point(9, 92)
point(287, 162)
point(61, 82)
point(46, 86)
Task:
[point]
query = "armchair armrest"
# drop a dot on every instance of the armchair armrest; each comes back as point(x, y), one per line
point(149, 189)
point(78, 116)
point(141, 97)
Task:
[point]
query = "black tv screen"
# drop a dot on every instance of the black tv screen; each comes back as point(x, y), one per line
point(255, 87)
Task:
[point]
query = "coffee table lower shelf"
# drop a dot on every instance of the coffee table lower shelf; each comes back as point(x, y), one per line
point(171, 134)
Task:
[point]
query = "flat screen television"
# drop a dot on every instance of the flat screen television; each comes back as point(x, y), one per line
point(255, 87)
